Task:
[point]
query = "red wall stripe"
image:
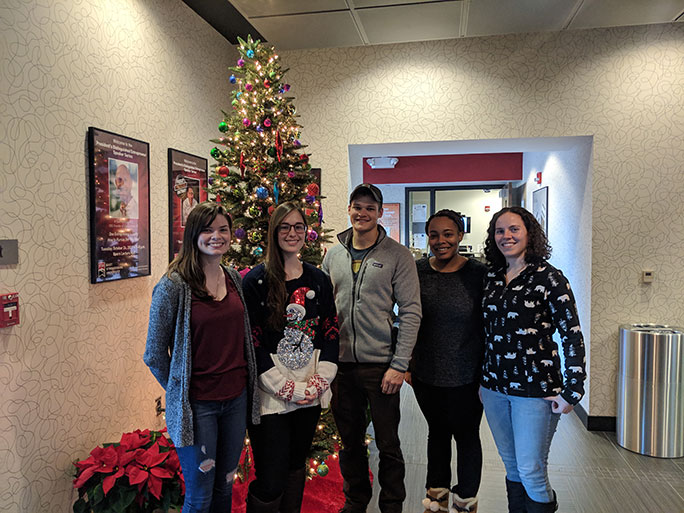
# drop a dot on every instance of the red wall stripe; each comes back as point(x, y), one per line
point(477, 167)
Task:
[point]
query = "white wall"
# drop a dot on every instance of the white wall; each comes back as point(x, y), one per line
point(471, 202)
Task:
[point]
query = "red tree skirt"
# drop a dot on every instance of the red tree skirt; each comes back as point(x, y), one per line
point(322, 493)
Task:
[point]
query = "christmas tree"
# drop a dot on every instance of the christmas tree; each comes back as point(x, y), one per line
point(259, 158)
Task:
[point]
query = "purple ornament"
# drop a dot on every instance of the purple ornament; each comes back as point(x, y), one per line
point(240, 233)
point(241, 62)
point(312, 235)
point(211, 180)
point(246, 122)
point(259, 128)
point(249, 87)
point(290, 174)
point(296, 143)
point(309, 198)
point(286, 87)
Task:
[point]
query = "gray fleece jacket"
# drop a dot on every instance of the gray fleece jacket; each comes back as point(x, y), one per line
point(365, 306)
point(168, 353)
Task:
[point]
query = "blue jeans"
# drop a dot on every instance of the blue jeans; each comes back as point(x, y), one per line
point(209, 465)
point(523, 428)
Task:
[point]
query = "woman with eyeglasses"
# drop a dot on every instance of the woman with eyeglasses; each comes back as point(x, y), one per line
point(296, 339)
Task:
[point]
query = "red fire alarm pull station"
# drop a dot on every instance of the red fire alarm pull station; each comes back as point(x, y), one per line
point(9, 313)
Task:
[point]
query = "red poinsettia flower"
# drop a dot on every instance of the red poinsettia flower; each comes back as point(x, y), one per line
point(146, 469)
point(134, 440)
point(107, 460)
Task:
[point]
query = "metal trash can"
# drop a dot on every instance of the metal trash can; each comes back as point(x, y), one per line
point(650, 397)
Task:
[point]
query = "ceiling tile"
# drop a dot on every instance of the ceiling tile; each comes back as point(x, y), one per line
point(387, 3)
point(251, 8)
point(323, 30)
point(490, 17)
point(416, 22)
point(613, 13)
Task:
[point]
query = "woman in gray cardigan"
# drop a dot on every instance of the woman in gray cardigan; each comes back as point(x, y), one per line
point(199, 349)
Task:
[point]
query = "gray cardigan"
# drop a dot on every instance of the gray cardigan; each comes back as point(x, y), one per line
point(168, 353)
point(365, 305)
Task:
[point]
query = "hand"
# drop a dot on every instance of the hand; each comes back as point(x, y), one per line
point(392, 381)
point(559, 405)
point(309, 399)
point(407, 378)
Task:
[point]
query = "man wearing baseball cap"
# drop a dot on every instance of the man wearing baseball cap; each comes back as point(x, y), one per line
point(370, 273)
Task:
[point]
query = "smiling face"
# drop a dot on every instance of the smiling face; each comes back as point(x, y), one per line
point(510, 235)
point(291, 233)
point(444, 238)
point(214, 240)
point(364, 214)
point(123, 182)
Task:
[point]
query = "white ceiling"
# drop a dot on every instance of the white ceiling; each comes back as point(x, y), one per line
point(298, 24)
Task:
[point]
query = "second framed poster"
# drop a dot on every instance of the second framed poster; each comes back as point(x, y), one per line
point(187, 189)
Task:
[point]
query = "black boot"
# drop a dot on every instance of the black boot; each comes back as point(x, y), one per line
point(541, 507)
point(291, 501)
point(516, 497)
point(255, 505)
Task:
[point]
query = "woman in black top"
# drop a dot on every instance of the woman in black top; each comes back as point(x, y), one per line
point(446, 363)
point(296, 339)
point(524, 388)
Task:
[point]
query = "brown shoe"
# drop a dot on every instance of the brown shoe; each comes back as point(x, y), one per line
point(436, 499)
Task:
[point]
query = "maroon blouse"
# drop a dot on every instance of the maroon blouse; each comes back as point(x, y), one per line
point(219, 368)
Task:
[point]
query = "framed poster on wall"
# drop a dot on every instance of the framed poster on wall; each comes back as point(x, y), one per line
point(540, 207)
point(187, 188)
point(119, 174)
point(390, 220)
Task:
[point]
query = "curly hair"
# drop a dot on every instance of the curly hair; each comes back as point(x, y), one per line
point(537, 249)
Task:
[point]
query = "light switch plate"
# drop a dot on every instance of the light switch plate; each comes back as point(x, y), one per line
point(9, 251)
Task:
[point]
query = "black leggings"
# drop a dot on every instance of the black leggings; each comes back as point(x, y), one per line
point(452, 411)
point(280, 445)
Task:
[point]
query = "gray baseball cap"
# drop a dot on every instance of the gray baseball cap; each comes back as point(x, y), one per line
point(367, 189)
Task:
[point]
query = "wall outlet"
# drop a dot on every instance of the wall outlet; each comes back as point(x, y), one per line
point(158, 410)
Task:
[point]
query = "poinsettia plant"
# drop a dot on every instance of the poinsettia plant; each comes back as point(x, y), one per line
point(139, 474)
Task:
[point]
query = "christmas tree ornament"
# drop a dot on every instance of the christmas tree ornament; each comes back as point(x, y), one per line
point(259, 128)
point(286, 87)
point(322, 470)
point(254, 211)
point(320, 215)
point(218, 198)
point(276, 191)
point(312, 189)
point(258, 251)
point(267, 122)
point(279, 146)
point(238, 94)
point(272, 75)
point(250, 53)
point(242, 165)
point(234, 103)
point(249, 86)
point(232, 79)
point(304, 158)
point(246, 122)
point(223, 127)
point(270, 210)
point(296, 143)
point(290, 174)
point(309, 198)
point(267, 83)
point(271, 152)
point(241, 62)
point(254, 236)
point(215, 152)
point(262, 192)
point(211, 180)
point(240, 233)
point(223, 171)
point(312, 236)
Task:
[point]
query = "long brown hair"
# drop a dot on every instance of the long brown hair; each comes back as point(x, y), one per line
point(276, 298)
point(538, 248)
point(187, 262)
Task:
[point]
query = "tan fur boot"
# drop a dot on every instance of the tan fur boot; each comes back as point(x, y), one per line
point(464, 505)
point(436, 499)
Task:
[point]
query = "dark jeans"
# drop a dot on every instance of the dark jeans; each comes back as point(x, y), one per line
point(357, 385)
point(452, 412)
point(280, 445)
point(209, 465)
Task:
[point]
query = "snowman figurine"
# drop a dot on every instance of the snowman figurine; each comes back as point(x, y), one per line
point(295, 349)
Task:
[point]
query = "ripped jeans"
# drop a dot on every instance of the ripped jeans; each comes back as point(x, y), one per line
point(209, 465)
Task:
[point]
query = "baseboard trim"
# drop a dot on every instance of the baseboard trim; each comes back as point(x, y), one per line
point(594, 422)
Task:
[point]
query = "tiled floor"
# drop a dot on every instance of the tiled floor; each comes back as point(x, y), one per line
point(588, 470)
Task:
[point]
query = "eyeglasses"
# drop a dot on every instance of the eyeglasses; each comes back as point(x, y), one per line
point(285, 228)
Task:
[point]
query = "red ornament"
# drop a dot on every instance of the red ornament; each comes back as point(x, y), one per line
point(242, 165)
point(309, 212)
point(270, 210)
point(267, 83)
point(223, 171)
point(312, 189)
point(218, 199)
point(267, 122)
point(304, 158)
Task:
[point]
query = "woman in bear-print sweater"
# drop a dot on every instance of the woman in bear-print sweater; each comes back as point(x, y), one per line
point(524, 389)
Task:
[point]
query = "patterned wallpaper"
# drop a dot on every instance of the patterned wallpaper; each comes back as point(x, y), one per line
point(624, 86)
point(72, 374)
